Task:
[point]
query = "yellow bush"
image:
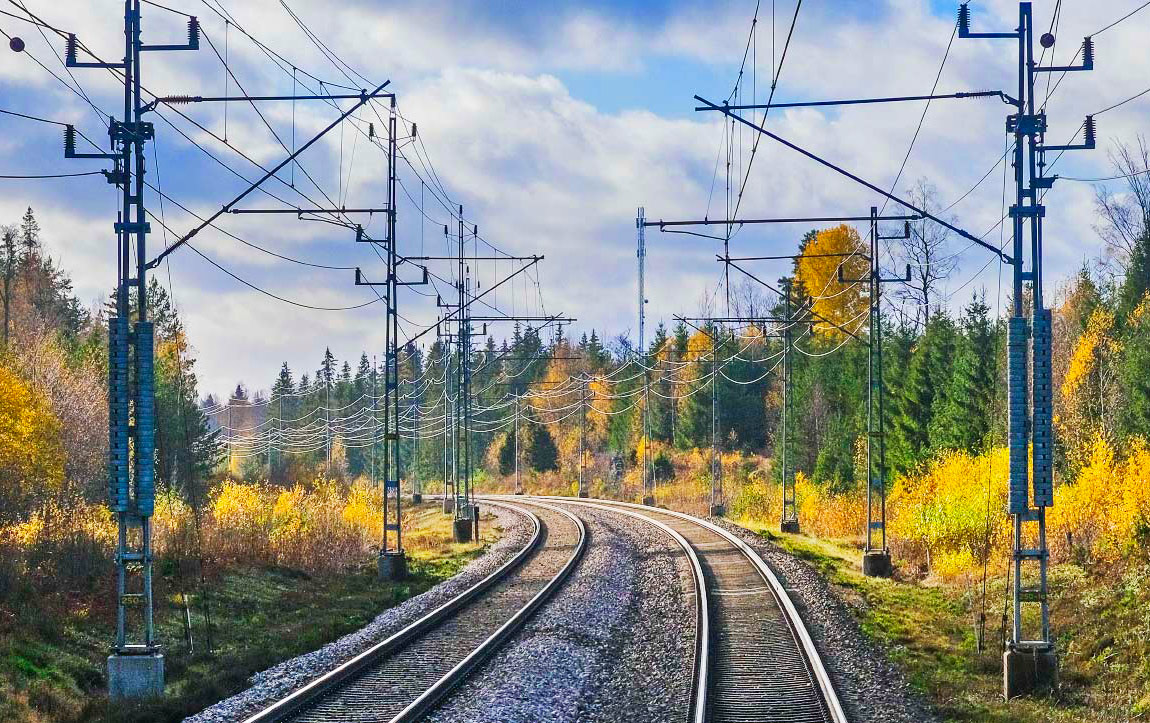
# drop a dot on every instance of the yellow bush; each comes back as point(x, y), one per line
point(31, 451)
point(951, 518)
point(1105, 513)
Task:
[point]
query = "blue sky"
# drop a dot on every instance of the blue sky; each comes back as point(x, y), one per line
point(550, 123)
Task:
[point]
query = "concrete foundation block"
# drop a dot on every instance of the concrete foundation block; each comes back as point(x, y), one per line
point(448, 505)
point(416, 498)
point(584, 494)
point(131, 677)
point(392, 566)
point(649, 500)
point(717, 510)
point(1028, 671)
point(791, 527)
point(877, 564)
point(518, 492)
point(462, 529)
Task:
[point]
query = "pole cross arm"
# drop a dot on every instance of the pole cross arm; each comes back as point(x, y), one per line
point(1087, 61)
point(838, 169)
point(71, 61)
point(193, 38)
point(424, 282)
point(795, 219)
point(1088, 145)
point(70, 146)
point(560, 319)
point(313, 211)
point(863, 101)
point(363, 99)
point(964, 27)
point(361, 280)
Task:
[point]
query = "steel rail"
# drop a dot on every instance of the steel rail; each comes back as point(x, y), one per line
point(436, 693)
point(786, 605)
point(698, 707)
point(325, 684)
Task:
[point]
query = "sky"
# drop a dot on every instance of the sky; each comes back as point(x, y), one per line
point(550, 123)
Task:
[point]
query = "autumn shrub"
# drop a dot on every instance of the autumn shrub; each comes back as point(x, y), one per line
point(829, 513)
point(60, 547)
point(950, 519)
point(1104, 515)
point(31, 454)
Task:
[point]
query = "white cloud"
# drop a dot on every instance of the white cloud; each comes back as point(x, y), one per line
point(543, 171)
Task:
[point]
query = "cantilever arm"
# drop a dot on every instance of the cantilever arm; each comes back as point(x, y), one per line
point(363, 99)
point(965, 234)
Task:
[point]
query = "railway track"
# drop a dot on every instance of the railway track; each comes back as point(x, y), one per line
point(404, 676)
point(760, 662)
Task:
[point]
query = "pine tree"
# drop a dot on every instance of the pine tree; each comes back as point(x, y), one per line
point(507, 454)
point(29, 237)
point(9, 259)
point(1137, 281)
point(542, 454)
point(1135, 414)
point(965, 408)
point(596, 354)
point(928, 373)
point(362, 382)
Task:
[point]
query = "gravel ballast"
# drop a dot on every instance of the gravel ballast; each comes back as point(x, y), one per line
point(616, 643)
point(870, 687)
point(280, 680)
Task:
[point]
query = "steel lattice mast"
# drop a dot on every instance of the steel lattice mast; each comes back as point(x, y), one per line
point(1030, 661)
point(136, 666)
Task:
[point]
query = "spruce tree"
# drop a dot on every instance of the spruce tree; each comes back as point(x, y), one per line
point(963, 417)
point(542, 454)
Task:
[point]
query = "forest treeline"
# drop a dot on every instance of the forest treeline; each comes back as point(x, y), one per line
point(943, 365)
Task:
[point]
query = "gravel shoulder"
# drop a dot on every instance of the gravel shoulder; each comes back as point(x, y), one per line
point(280, 680)
point(870, 687)
point(615, 644)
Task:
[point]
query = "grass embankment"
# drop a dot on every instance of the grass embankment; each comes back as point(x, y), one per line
point(54, 669)
point(1102, 625)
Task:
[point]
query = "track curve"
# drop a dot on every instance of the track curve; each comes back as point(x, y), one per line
point(405, 675)
point(763, 664)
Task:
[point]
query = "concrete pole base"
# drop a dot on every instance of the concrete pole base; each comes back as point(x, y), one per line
point(416, 498)
point(717, 510)
point(876, 563)
point(132, 677)
point(448, 505)
point(791, 527)
point(392, 566)
point(583, 494)
point(461, 529)
point(475, 521)
point(649, 500)
point(518, 492)
point(1026, 671)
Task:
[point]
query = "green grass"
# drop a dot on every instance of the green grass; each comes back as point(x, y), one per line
point(55, 670)
point(1101, 620)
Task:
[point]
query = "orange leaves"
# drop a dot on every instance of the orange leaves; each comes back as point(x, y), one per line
point(841, 303)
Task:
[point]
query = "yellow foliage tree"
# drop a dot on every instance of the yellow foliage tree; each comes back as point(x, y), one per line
point(1104, 514)
point(841, 303)
point(1084, 388)
point(31, 452)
